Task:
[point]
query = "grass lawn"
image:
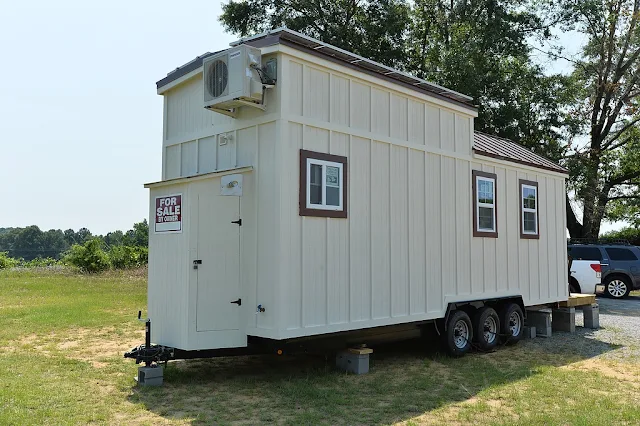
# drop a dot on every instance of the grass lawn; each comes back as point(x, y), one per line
point(62, 337)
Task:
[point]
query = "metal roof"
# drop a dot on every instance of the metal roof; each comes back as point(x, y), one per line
point(316, 47)
point(504, 149)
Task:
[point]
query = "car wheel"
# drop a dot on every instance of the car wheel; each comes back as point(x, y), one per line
point(459, 334)
point(617, 287)
point(512, 320)
point(574, 287)
point(486, 328)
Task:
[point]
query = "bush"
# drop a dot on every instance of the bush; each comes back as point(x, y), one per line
point(7, 262)
point(124, 257)
point(89, 257)
point(40, 262)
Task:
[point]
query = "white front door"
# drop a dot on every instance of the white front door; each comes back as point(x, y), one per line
point(218, 248)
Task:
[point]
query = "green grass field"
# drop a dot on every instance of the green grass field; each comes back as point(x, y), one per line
point(62, 337)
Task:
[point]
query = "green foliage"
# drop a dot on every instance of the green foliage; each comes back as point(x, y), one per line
point(125, 257)
point(371, 28)
point(605, 163)
point(89, 257)
point(7, 262)
point(41, 262)
point(31, 243)
point(632, 235)
point(482, 48)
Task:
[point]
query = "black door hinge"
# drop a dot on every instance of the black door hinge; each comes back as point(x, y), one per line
point(238, 302)
point(237, 222)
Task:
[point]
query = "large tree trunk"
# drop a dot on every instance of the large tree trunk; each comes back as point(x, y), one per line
point(574, 227)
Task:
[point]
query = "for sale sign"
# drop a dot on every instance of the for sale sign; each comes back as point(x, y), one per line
point(169, 213)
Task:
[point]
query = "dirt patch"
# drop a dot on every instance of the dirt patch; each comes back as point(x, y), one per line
point(83, 344)
point(606, 369)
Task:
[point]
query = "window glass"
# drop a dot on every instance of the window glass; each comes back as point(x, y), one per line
point(485, 191)
point(585, 253)
point(528, 198)
point(315, 184)
point(621, 254)
point(333, 185)
point(530, 222)
point(485, 218)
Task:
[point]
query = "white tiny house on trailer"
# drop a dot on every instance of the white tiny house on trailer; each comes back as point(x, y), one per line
point(329, 193)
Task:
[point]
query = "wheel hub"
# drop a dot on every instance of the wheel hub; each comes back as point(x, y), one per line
point(515, 324)
point(490, 330)
point(460, 334)
point(617, 288)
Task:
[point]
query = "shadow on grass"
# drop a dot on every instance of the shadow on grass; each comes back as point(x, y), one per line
point(406, 380)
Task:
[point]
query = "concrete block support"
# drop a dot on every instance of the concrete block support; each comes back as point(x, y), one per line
point(529, 332)
point(541, 320)
point(150, 376)
point(354, 360)
point(591, 315)
point(564, 319)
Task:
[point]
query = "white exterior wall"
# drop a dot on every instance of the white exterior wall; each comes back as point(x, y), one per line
point(407, 248)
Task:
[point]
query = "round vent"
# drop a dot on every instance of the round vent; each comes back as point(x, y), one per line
point(217, 78)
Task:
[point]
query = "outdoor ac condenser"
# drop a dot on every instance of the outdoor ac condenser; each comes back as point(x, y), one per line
point(231, 79)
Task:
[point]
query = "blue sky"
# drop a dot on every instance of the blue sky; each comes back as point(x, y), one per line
point(80, 120)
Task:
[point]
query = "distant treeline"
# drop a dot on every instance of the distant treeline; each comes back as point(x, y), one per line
point(30, 243)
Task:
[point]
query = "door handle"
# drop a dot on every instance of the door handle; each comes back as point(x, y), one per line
point(237, 302)
point(237, 222)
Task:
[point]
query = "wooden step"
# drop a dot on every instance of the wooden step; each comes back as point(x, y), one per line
point(577, 299)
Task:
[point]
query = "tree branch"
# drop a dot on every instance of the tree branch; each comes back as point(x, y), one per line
point(624, 197)
point(609, 144)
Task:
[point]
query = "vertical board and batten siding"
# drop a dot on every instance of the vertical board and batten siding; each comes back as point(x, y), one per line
point(169, 269)
point(196, 140)
point(407, 247)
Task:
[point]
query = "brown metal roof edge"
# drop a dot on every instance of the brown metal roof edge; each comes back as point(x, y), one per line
point(559, 169)
point(272, 39)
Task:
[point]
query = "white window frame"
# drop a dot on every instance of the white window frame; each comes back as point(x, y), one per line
point(324, 165)
point(524, 186)
point(485, 205)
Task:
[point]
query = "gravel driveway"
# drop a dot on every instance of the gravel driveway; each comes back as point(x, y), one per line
point(618, 337)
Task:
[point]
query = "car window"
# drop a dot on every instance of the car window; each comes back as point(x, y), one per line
point(621, 254)
point(585, 253)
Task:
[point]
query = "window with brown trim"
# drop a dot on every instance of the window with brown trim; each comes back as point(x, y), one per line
point(485, 208)
point(529, 217)
point(323, 184)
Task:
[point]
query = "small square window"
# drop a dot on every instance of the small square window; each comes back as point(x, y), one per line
point(323, 190)
point(529, 209)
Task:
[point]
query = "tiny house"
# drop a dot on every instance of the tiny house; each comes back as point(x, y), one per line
point(307, 191)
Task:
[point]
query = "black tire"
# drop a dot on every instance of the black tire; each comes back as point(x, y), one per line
point(486, 328)
point(512, 321)
point(617, 286)
point(574, 287)
point(459, 334)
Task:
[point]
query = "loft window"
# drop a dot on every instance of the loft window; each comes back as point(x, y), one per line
point(529, 209)
point(323, 184)
point(484, 204)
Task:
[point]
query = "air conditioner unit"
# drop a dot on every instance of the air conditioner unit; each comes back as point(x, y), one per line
point(231, 80)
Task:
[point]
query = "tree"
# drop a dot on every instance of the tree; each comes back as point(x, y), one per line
point(28, 243)
point(605, 161)
point(114, 238)
point(138, 236)
point(482, 48)
point(83, 235)
point(374, 29)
